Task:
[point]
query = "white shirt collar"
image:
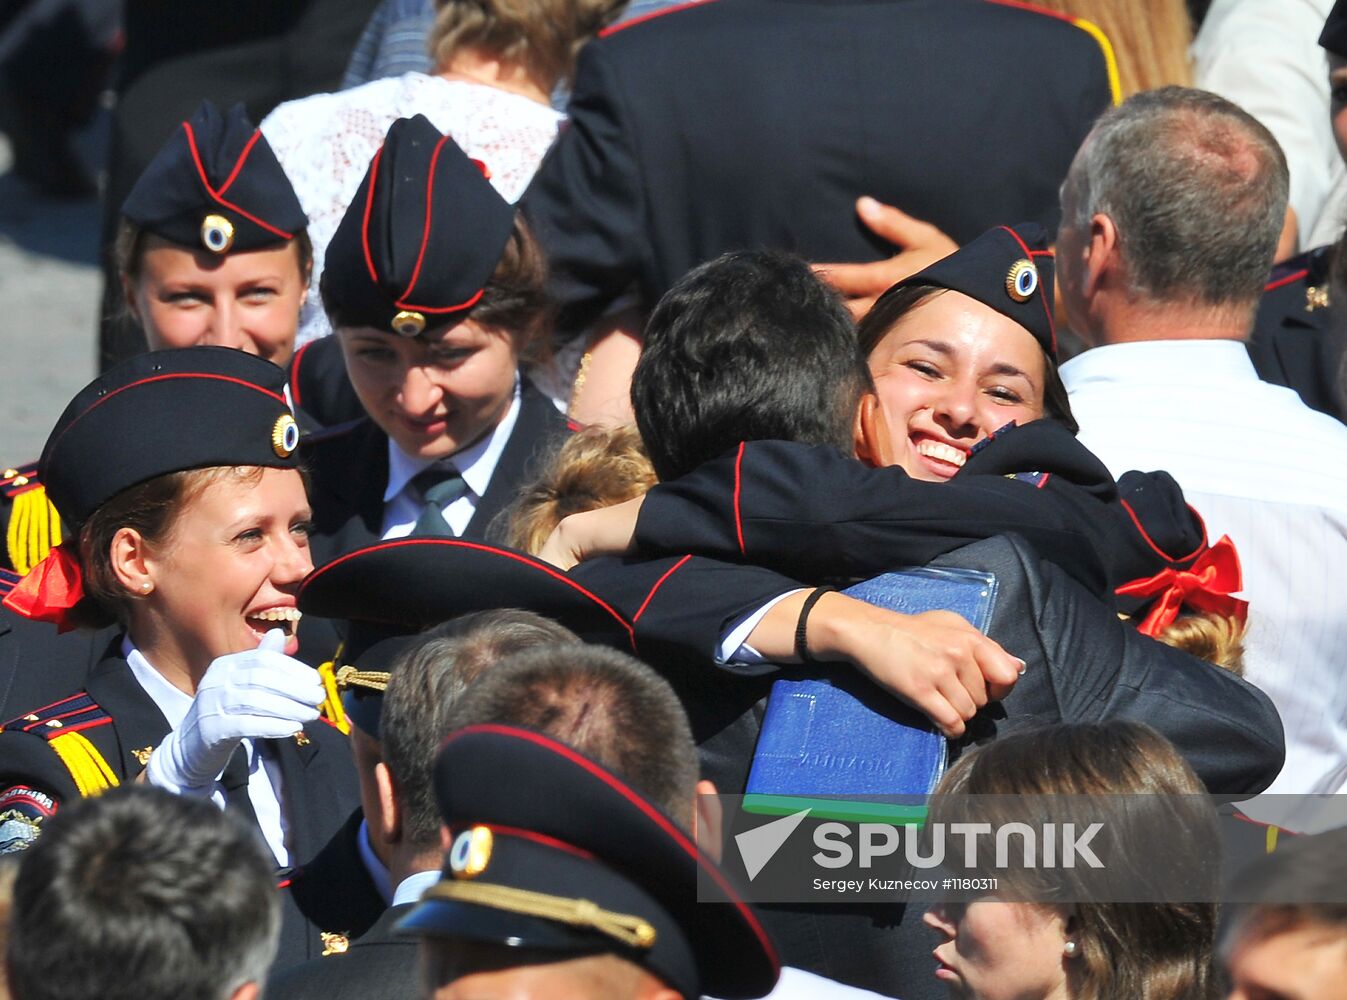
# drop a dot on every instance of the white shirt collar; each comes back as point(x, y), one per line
point(475, 463)
point(411, 888)
point(168, 699)
point(1161, 361)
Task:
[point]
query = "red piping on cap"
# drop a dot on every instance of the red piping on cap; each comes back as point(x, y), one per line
point(537, 838)
point(1145, 535)
point(369, 206)
point(649, 811)
point(162, 378)
point(459, 543)
point(233, 174)
point(425, 228)
point(201, 171)
point(1042, 296)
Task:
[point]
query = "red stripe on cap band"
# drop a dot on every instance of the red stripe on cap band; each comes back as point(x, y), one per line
point(649, 811)
point(1145, 536)
point(425, 228)
point(537, 838)
point(201, 171)
point(442, 309)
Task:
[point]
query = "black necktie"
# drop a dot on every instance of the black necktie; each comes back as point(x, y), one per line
point(440, 485)
point(235, 783)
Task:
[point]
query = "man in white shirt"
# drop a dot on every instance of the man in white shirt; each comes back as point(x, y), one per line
point(1171, 213)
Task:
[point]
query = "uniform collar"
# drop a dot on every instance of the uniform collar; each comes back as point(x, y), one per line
point(1182, 362)
point(475, 463)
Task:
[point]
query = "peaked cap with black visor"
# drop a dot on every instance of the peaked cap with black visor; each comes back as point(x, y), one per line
point(1008, 269)
point(156, 413)
point(216, 184)
point(421, 238)
point(389, 592)
point(567, 858)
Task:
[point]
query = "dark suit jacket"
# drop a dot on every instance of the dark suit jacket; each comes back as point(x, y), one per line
point(379, 964)
point(333, 891)
point(748, 123)
point(39, 665)
point(349, 470)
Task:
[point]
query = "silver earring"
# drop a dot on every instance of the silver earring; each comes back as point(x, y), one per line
point(1069, 949)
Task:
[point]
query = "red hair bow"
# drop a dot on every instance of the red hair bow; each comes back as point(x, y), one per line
point(1206, 586)
point(50, 589)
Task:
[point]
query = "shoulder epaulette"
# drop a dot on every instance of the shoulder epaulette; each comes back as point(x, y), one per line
point(613, 29)
point(1091, 29)
point(73, 714)
point(34, 527)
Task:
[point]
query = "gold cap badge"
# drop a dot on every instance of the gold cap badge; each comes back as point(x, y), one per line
point(471, 852)
point(1022, 281)
point(217, 233)
point(285, 436)
point(408, 323)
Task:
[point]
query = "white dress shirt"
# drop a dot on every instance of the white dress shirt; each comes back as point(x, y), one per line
point(476, 464)
point(1265, 469)
point(264, 775)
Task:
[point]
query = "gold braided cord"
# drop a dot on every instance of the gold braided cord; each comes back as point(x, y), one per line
point(371, 680)
point(92, 774)
point(625, 928)
point(331, 709)
point(34, 529)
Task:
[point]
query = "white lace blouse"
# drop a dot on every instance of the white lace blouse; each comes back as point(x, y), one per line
point(325, 143)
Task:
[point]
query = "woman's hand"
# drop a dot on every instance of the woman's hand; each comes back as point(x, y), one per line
point(257, 694)
point(935, 661)
point(608, 531)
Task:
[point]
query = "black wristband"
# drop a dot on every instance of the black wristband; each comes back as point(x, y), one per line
point(802, 625)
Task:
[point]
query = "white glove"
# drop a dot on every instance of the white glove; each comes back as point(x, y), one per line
point(257, 694)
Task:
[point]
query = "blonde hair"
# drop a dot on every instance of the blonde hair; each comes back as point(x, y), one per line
point(1150, 38)
point(1218, 639)
point(594, 468)
point(543, 36)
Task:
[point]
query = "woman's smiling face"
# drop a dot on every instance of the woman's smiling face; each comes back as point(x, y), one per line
point(948, 374)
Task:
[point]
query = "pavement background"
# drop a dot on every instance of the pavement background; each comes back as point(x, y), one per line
point(49, 299)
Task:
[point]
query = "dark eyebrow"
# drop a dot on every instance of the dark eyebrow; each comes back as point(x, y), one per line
point(939, 346)
point(1005, 368)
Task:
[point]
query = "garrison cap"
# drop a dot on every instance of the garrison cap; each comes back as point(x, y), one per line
point(392, 590)
point(216, 184)
point(421, 238)
point(1009, 269)
point(1334, 36)
point(566, 857)
point(162, 412)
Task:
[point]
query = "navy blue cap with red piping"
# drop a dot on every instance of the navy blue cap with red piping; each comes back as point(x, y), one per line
point(397, 588)
point(216, 184)
point(166, 411)
point(1009, 269)
point(571, 831)
point(421, 238)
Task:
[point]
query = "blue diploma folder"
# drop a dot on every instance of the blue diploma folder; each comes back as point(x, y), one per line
point(841, 735)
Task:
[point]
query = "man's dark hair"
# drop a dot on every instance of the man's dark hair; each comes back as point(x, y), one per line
point(1304, 884)
point(609, 706)
point(142, 895)
point(750, 346)
point(429, 677)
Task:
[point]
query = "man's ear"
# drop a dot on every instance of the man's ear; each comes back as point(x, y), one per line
point(1102, 254)
point(390, 808)
point(871, 433)
point(708, 820)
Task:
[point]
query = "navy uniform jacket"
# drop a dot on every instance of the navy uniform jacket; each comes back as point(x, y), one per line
point(757, 123)
point(767, 503)
point(1295, 341)
point(114, 713)
point(381, 963)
